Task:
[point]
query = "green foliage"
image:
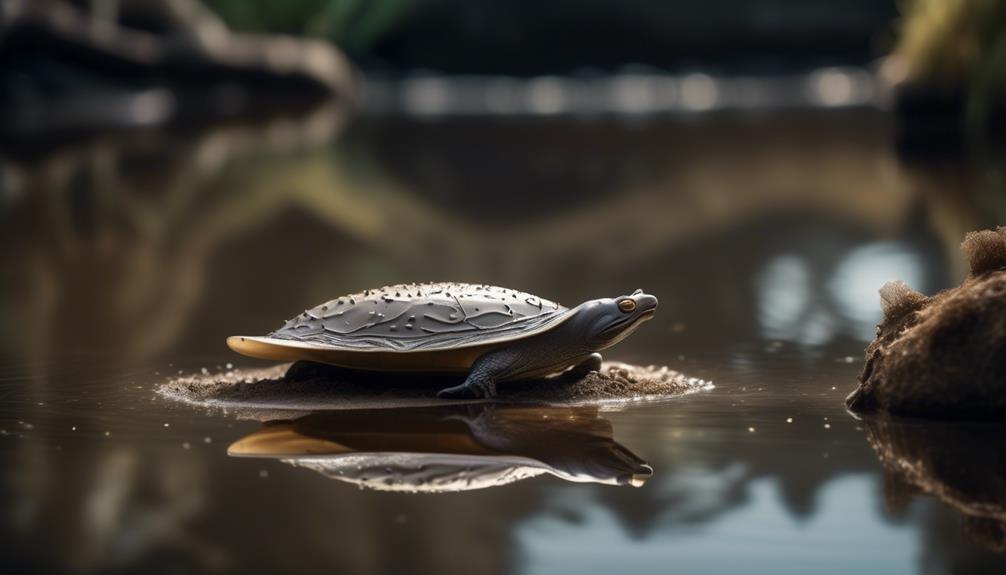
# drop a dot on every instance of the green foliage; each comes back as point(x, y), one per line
point(941, 40)
point(354, 25)
point(958, 43)
point(987, 86)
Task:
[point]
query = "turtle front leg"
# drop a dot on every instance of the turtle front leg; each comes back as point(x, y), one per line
point(481, 382)
point(592, 363)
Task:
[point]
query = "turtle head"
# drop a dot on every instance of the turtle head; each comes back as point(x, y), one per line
point(608, 321)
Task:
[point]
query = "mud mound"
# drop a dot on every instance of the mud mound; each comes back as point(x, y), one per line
point(311, 386)
point(943, 356)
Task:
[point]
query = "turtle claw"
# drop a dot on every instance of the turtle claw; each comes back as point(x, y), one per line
point(469, 390)
point(457, 392)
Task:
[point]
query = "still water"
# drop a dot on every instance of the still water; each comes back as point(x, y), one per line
point(130, 256)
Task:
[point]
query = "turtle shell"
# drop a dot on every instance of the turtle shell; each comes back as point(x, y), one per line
point(446, 326)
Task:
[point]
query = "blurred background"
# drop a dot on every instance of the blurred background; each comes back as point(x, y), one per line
point(176, 171)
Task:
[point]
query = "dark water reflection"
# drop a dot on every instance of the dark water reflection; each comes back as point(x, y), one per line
point(940, 460)
point(130, 256)
point(444, 449)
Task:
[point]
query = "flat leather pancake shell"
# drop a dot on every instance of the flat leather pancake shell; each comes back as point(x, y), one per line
point(418, 318)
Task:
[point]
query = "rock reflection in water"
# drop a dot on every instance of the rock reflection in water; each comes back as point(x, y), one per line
point(450, 448)
point(963, 465)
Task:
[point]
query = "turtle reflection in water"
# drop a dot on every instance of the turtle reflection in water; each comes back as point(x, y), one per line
point(450, 448)
point(494, 334)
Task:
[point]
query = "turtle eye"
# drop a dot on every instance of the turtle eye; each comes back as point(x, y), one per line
point(627, 305)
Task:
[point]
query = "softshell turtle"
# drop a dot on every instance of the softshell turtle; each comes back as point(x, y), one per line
point(494, 334)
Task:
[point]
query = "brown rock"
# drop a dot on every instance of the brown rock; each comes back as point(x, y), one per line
point(943, 356)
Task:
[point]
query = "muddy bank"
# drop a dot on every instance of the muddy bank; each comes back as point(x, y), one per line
point(313, 386)
point(942, 356)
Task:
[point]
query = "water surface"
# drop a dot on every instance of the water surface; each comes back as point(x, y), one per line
point(130, 256)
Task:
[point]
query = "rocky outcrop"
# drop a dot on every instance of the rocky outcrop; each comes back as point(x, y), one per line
point(943, 356)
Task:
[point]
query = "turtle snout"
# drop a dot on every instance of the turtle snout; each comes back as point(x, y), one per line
point(646, 302)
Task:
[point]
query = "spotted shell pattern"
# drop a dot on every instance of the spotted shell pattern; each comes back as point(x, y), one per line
point(429, 316)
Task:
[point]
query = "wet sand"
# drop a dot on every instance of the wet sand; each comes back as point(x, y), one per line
point(312, 386)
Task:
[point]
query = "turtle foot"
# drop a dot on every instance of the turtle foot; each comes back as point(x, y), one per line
point(592, 363)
